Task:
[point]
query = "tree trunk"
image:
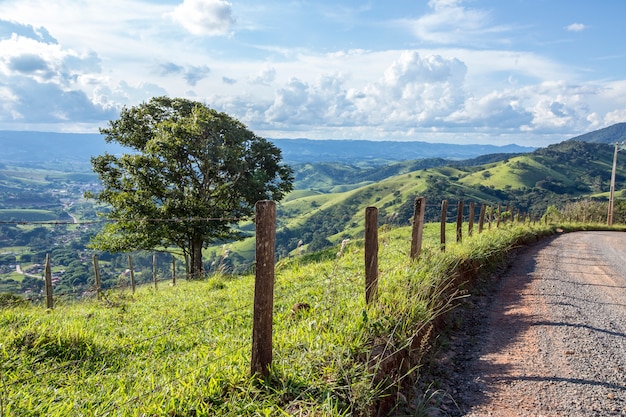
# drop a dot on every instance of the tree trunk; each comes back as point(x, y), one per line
point(197, 269)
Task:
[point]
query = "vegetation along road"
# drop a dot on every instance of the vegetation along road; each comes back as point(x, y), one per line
point(550, 340)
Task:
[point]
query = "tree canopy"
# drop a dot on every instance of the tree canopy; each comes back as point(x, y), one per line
point(190, 175)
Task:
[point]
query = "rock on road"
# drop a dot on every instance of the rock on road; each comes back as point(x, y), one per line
point(551, 340)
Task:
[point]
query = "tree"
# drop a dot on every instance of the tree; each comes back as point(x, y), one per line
point(192, 174)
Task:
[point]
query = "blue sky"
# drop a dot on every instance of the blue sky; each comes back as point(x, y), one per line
point(531, 72)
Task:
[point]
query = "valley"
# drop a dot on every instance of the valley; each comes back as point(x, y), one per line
point(43, 209)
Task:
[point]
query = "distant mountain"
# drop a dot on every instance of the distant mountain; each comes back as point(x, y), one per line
point(611, 134)
point(357, 151)
point(46, 147)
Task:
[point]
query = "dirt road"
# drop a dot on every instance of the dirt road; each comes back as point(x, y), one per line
point(551, 338)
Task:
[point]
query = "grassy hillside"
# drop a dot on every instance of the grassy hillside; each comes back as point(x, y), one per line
point(326, 212)
point(185, 350)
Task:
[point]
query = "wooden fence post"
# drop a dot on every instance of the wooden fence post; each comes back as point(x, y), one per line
point(47, 273)
point(499, 215)
point(371, 254)
point(96, 271)
point(459, 222)
point(470, 222)
point(417, 232)
point(265, 224)
point(154, 270)
point(481, 218)
point(173, 270)
point(442, 231)
point(132, 274)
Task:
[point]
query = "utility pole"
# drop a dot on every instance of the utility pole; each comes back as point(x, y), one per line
point(618, 148)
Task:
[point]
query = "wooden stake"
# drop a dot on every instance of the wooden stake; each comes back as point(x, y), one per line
point(154, 270)
point(459, 222)
point(132, 274)
point(173, 270)
point(47, 273)
point(417, 232)
point(470, 222)
point(96, 271)
point(265, 222)
point(499, 214)
point(371, 254)
point(442, 230)
point(481, 218)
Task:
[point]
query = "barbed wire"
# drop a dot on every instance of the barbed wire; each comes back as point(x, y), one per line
point(138, 220)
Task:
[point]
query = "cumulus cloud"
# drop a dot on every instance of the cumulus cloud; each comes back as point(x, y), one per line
point(28, 64)
point(205, 17)
point(576, 27)
point(324, 102)
point(413, 90)
point(266, 76)
point(416, 89)
point(122, 93)
point(9, 28)
point(498, 109)
point(42, 80)
point(229, 81)
point(547, 107)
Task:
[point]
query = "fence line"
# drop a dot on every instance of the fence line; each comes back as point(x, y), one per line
point(265, 223)
point(419, 204)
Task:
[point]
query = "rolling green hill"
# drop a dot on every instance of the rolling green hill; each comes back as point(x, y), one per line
point(611, 134)
point(329, 204)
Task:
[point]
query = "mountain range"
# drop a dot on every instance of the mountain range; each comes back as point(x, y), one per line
point(50, 147)
point(31, 147)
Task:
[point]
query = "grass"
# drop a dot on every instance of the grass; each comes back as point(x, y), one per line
point(185, 350)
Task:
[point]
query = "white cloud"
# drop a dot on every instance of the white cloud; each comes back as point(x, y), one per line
point(96, 56)
point(499, 110)
point(107, 94)
point(452, 23)
point(576, 27)
point(205, 17)
point(413, 90)
point(46, 83)
point(265, 76)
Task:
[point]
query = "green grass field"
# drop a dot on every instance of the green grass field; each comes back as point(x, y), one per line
point(185, 349)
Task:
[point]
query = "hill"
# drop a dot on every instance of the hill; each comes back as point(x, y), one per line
point(329, 198)
point(327, 212)
point(611, 134)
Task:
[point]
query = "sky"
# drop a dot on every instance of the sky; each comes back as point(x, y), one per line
point(530, 72)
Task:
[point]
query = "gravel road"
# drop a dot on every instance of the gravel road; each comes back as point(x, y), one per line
point(548, 340)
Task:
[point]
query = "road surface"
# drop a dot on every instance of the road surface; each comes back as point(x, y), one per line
point(550, 340)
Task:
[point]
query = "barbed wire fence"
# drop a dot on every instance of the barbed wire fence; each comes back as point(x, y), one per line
point(259, 309)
